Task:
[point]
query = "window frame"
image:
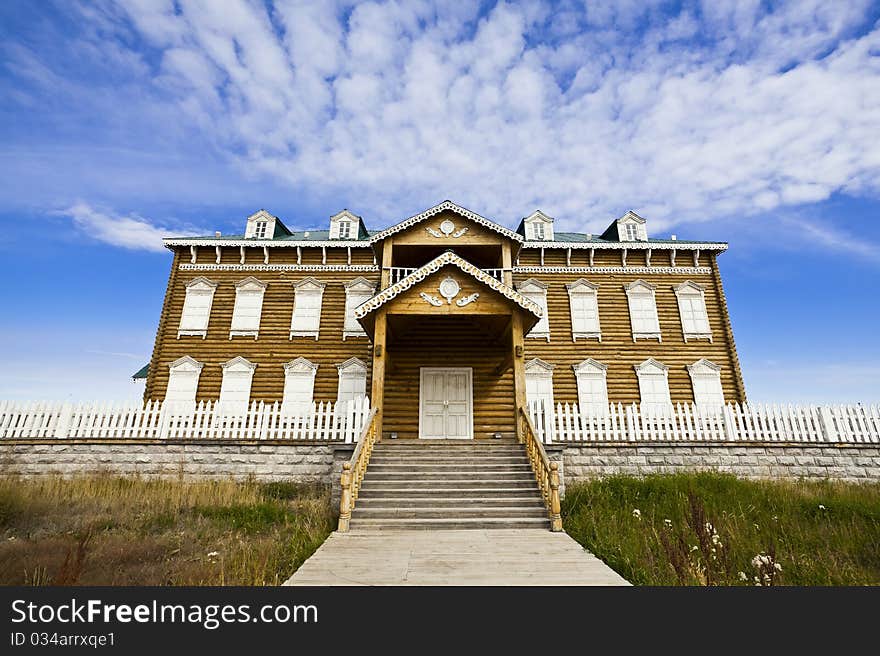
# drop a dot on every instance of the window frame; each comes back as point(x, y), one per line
point(540, 370)
point(687, 292)
point(191, 368)
point(295, 370)
point(307, 287)
point(637, 290)
point(591, 369)
point(536, 291)
point(352, 368)
point(703, 370)
point(199, 286)
point(243, 289)
point(646, 372)
point(584, 289)
point(359, 288)
point(261, 227)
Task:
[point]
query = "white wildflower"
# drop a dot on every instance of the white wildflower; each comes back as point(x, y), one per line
point(694, 548)
point(775, 518)
point(637, 513)
point(757, 528)
point(667, 523)
point(777, 567)
point(742, 576)
point(821, 507)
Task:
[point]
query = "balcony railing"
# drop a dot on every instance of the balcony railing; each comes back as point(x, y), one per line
point(399, 273)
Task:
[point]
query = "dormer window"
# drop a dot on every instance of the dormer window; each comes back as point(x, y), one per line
point(260, 229)
point(632, 232)
point(629, 227)
point(345, 225)
point(537, 226)
point(262, 225)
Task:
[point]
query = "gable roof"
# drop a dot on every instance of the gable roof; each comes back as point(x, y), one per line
point(441, 207)
point(435, 265)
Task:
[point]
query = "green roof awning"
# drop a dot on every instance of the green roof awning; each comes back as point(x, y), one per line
point(141, 373)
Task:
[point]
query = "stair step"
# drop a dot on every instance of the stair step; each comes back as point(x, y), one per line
point(427, 512)
point(409, 483)
point(396, 492)
point(451, 524)
point(384, 456)
point(445, 467)
point(447, 501)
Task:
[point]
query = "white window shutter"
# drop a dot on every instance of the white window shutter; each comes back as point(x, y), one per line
point(537, 293)
point(306, 318)
point(235, 388)
point(643, 311)
point(584, 306)
point(299, 385)
point(591, 386)
point(706, 381)
point(654, 387)
point(197, 308)
point(352, 380)
point(183, 382)
point(692, 308)
point(357, 291)
point(248, 307)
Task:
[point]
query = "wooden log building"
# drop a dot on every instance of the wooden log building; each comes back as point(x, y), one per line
point(448, 321)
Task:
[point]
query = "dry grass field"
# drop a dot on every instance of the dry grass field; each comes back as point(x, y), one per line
point(105, 530)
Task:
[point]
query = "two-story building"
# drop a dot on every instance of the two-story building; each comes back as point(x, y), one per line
point(447, 320)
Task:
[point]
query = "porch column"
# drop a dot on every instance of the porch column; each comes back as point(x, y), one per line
point(377, 394)
point(387, 247)
point(506, 264)
point(519, 368)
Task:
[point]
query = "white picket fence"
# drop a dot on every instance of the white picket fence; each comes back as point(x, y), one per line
point(733, 422)
point(337, 422)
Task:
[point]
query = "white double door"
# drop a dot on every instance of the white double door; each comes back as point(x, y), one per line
point(446, 403)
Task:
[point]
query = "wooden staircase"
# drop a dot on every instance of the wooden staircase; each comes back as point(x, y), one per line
point(449, 485)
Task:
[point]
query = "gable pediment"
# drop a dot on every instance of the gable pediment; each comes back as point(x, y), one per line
point(446, 223)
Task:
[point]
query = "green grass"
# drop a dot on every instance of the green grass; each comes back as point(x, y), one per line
point(819, 533)
point(104, 530)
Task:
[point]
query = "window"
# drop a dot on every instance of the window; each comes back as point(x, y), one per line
point(248, 308)
point(197, 307)
point(706, 381)
point(352, 380)
point(306, 319)
point(357, 291)
point(299, 386)
point(539, 383)
point(591, 386)
point(538, 226)
point(344, 229)
point(654, 386)
point(536, 292)
point(582, 298)
point(632, 232)
point(692, 308)
point(183, 381)
point(235, 389)
point(538, 230)
point(643, 311)
point(260, 229)
point(344, 225)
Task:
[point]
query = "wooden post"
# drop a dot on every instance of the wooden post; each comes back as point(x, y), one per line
point(519, 371)
point(387, 247)
point(506, 264)
point(345, 499)
point(377, 396)
point(555, 507)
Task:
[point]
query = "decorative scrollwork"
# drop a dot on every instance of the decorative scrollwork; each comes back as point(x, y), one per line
point(433, 232)
point(447, 229)
point(467, 299)
point(459, 233)
point(433, 300)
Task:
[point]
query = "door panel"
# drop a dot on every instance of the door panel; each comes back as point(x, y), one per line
point(446, 403)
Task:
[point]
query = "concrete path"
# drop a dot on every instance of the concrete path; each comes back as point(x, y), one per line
point(466, 557)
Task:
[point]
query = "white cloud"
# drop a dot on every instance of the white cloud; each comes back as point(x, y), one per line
point(724, 108)
point(133, 232)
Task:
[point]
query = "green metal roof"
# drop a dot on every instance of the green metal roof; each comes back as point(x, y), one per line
point(141, 373)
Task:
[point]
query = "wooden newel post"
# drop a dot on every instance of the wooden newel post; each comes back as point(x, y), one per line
point(345, 499)
point(555, 508)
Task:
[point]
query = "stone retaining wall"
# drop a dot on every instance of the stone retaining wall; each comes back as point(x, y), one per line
point(847, 462)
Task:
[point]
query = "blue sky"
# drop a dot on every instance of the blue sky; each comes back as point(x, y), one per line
point(751, 122)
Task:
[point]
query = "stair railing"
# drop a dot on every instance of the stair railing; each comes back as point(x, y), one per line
point(546, 472)
point(354, 470)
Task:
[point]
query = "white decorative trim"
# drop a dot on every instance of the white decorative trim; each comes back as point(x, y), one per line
point(433, 211)
point(279, 243)
point(690, 288)
point(703, 366)
point(449, 289)
point(633, 245)
point(612, 269)
point(648, 287)
point(539, 364)
point(300, 365)
point(537, 287)
point(193, 364)
point(433, 300)
point(317, 288)
point(240, 362)
point(435, 265)
point(359, 268)
point(467, 300)
point(584, 287)
point(447, 229)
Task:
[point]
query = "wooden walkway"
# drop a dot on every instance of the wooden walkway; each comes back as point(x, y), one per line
point(453, 557)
